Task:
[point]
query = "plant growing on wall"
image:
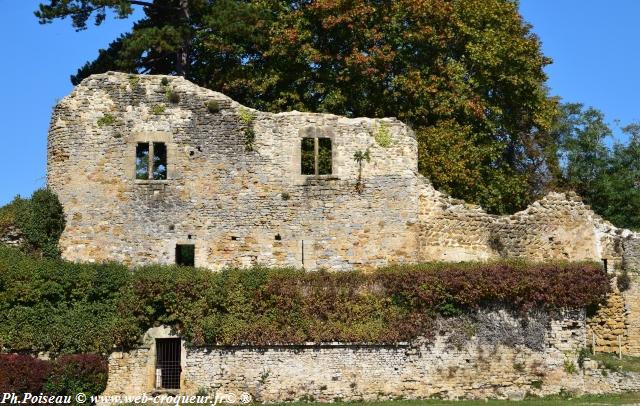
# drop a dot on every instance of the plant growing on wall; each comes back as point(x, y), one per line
point(157, 109)
point(383, 135)
point(172, 96)
point(247, 118)
point(133, 81)
point(213, 106)
point(360, 157)
point(106, 119)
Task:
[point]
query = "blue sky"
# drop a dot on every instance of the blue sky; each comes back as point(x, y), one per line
point(593, 44)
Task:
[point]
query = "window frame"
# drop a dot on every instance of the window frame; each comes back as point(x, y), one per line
point(317, 134)
point(150, 138)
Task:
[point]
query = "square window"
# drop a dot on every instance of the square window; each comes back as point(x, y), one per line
point(185, 254)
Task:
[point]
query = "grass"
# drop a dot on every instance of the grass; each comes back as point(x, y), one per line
point(613, 363)
point(600, 400)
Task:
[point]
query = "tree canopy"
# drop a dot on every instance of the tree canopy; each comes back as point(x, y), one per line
point(467, 75)
point(604, 171)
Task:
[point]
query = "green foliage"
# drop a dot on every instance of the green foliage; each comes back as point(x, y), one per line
point(164, 82)
point(40, 220)
point(213, 106)
point(537, 384)
point(134, 80)
point(605, 177)
point(383, 135)
point(360, 157)
point(248, 117)
point(172, 96)
point(62, 307)
point(583, 354)
point(157, 109)
point(9, 214)
point(623, 280)
point(106, 119)
point(612, 362)
point(468, 75)
point(570, 367)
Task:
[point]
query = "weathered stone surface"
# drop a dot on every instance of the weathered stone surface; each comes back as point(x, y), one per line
point(243, 206)
point(328, 372)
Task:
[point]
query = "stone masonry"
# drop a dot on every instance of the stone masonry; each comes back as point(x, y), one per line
point(234, 189)
point(439, 368)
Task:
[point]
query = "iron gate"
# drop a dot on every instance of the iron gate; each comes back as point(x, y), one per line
point(168, 362)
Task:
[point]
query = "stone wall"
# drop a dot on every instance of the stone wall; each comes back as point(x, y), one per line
point(240, 206)
point(445, 366)
point(244, 206)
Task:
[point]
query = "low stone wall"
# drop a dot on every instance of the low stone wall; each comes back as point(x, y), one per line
point(464, 362)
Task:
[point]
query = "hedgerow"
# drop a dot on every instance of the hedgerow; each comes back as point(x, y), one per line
point(58, 306)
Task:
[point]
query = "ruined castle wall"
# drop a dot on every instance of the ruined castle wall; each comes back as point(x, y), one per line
point(557, 227)
point(244, 202)
point(442, 367)
point(239, 207)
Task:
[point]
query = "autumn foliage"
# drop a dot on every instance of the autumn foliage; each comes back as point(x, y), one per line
point(62, 307)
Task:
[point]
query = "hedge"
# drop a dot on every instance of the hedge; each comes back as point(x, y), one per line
point(66, 375)
point(58, 306)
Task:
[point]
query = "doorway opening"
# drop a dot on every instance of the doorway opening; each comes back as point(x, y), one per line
point(168, 369)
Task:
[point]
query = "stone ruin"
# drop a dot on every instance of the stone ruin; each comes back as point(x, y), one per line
point(154, 169)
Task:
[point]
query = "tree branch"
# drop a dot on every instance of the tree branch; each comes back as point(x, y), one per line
point(150, 5)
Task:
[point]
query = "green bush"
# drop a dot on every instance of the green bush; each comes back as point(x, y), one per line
point(54, 305)
point(40, 220)
point(77, 373)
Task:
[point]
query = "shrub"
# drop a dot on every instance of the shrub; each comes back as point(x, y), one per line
point(20, 374)
point(157, 109)
point(43, 223)
point(106, 119)
point(58, 306)
point(623, 280)
point(164, 81)
point(383, 135)
point(173, 96)
point(40, 221)
point(73, 374)
point(9, 213)
point(134, 80)
point(213, 106)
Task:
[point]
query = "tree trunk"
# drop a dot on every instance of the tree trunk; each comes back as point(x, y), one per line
point(182, 56)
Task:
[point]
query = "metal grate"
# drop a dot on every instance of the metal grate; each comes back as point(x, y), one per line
point(168, 363)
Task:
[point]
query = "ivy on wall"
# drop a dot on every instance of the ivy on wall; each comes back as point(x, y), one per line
point(63, 307)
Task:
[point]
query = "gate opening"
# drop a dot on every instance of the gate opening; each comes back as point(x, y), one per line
point(168, 363)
